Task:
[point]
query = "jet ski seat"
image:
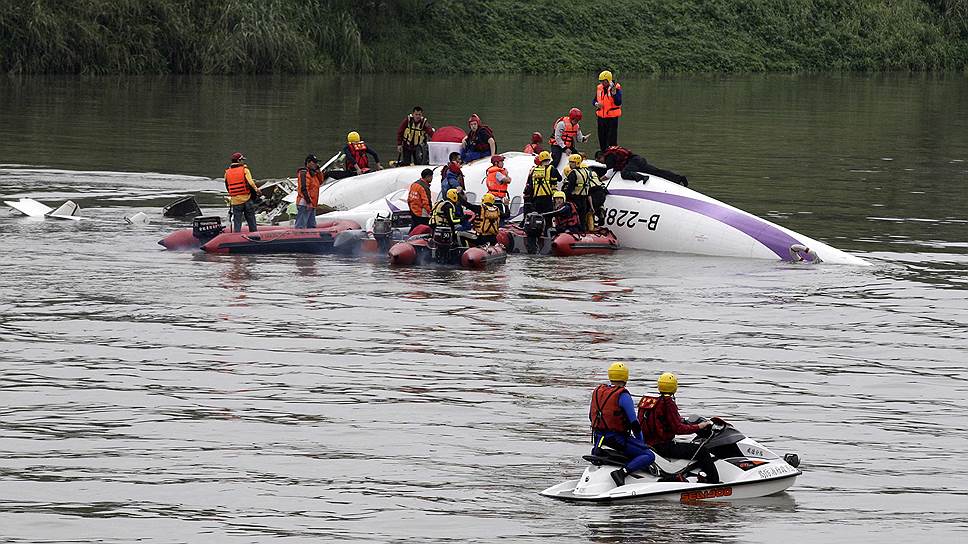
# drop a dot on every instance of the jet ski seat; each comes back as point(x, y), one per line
point(606, 456)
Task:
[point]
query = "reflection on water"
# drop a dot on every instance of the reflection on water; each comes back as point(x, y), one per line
point(183, 397)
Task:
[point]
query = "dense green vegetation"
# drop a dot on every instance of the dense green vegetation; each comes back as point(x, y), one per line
point(318, 36)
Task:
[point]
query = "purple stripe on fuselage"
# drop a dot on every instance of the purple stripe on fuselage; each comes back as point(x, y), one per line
point(392, 207)
point(762, 231)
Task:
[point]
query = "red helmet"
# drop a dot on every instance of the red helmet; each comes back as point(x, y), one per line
point(237, 157)
point(497, 158)
point(574, 114)
point(536, 137)
point(474, 117)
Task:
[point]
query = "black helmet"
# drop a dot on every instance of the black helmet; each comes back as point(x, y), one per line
point(311, 158)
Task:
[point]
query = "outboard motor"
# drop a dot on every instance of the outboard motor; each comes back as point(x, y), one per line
point(442, 243)
point(383, 232)
point(206, 228)
point(534, 227)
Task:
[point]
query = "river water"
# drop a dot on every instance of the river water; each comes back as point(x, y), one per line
point(177, 397)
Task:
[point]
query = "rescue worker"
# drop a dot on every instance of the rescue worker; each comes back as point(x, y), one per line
point(632, 166)
point(615, 424)
point(412, 138)
point(535, 146)
point(596, 196)
point(563, 135)
point(356, 152)
point(451, 175)
point(479, 142)
point(542, 183)
point(419, 199)
point(497, 180)
point(449, 212)
point(565, 214)
point(488, 220)
point(577, 189)
point(661, 423)
point(241, 189)
point(608, 108)
point(308, 180)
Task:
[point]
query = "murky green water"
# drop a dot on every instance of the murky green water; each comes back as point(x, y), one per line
point(172, 397)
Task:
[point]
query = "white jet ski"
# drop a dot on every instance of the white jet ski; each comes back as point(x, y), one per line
point(747, 469)
point(654, 214)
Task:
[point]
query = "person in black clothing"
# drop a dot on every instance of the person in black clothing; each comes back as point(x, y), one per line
point(632, 166)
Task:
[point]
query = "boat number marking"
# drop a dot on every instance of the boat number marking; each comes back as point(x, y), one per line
point(629, 219)
point(690, 496)
point(755, 452)
point(775, 471)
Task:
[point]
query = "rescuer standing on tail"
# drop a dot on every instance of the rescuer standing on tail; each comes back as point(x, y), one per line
point(608, 108)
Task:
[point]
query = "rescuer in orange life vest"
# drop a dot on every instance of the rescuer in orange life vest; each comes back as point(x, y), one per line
point(608, 108)
point(241, 188)
point(356, 152)
point(419, 199)
point(564, 135)
point(535, 146)
point(661, 422)
point(497, 180)
point(614, 423)
point(308, 180)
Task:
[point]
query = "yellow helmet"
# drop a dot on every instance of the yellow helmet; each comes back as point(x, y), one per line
point(488, 198)
point(618, 372)
point(544, 156)
point(576, 158)
point(353, 137)
point(668, 383)
point(605, 76)
point(558, 194)
point(452, 195)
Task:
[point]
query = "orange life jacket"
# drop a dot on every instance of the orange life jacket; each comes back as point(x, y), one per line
point(360, 158)
point(568, 136)
point(533, 148)
point(605, 413)
point(606, 102)
point(235, 181)
point(307, 186)
point(419, 198)
point(497, 188)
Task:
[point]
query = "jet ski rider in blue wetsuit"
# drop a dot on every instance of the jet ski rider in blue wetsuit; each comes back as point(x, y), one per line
point(615, 423)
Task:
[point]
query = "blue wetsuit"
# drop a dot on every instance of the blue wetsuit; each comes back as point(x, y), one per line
point(633, 446)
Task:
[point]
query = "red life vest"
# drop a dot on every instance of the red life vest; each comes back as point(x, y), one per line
point(606, 102)
point(620, 154)
point(235, 181)
point(605, 413)
point(569, 134)
point(571, 220)
point(533, 148)
point(307, 186)
point(497, 188)
point(477, 140)
point(358, 152)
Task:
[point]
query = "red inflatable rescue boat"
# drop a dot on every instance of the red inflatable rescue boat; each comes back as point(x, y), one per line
point(600, 242)
point(479, 258)
point(417, 251)
point(318, 240)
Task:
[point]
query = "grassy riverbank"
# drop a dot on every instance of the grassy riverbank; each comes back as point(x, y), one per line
point(319, 36)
